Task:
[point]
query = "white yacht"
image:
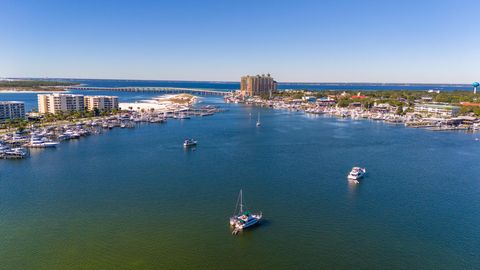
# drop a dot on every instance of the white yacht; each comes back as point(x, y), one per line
point(258, 120)
point(70, 134)
point(182, 116)
point(37, 142)
point(15, 153)
point(243, 218)
point(189, 142)
point(356, 173)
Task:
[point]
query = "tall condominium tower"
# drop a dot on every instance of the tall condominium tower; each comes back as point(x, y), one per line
point(257, 85)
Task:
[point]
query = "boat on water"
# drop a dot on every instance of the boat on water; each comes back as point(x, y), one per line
point(258, 120)
point(356, 173)
point(37, 142)
point(189, 143)
point(70, 134)
point(15, 153)
point(243, 218)
point(182, 116)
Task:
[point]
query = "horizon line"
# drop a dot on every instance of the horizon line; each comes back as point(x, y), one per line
point(229, 81)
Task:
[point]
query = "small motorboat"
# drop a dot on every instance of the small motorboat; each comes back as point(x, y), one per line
point(356, 173)
point(189, 143)
point(258, 120)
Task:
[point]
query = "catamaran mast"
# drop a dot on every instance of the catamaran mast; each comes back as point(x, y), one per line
point(241, 202)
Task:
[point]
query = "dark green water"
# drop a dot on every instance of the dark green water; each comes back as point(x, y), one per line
point(135, 199)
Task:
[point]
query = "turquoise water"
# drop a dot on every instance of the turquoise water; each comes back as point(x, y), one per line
point(135, 199)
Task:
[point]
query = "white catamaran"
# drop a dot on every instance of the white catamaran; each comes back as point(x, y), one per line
point(243, 218)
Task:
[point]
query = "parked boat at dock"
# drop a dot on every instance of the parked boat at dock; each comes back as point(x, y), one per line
point(37, 142)
point(14, 153)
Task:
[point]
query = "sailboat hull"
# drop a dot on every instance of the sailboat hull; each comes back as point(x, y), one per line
point(238, 223)
point(251, 223)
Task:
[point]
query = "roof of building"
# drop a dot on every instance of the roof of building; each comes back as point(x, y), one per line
point(61, 94)
point(435, 105)
point(358, 97)
point(12, 102)
point(470, 104)
point(102, 96)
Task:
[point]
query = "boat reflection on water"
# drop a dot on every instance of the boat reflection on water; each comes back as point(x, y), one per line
point(353, 187)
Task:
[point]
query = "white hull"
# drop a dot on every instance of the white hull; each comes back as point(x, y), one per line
point(244, 219)
point(356, 174)
point(250, 223)
point(190, 144)
point(355, 177)
point(234, 222)
point(42, 146)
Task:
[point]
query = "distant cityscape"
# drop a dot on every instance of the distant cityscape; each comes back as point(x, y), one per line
point(427, 109)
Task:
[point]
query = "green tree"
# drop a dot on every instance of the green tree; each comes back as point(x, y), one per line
point(344, 102)
point(400, 110)
point(96, 111)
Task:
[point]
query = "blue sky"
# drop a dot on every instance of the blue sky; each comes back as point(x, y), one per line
point(306, 41)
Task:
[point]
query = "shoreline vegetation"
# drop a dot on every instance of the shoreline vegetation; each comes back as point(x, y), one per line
point(33, 86)
point(20, 125)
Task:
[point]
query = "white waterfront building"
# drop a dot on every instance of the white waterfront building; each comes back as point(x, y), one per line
point(66, 103)
point(102, 103)
point(11, 110)
point(436, 110)
point(56, 103)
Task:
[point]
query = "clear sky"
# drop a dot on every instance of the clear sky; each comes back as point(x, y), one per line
point(308, 41)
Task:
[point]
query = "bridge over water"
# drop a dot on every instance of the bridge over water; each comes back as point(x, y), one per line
point(164, 90)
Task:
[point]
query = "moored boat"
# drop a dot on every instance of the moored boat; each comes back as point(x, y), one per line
point(36, 142)
point(15, 153)
point(243, 218)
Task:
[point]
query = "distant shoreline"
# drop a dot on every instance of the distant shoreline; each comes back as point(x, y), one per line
point(29, 91)
point(72, 80)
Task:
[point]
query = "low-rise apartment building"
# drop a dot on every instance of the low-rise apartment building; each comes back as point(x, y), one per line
point(11, 110)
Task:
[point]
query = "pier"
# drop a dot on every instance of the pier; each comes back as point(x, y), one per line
point(164, 90)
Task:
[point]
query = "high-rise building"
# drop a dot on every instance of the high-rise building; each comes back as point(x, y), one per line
point(11, 110)
point(102, 103)
point(257, 85)
point(56, 103)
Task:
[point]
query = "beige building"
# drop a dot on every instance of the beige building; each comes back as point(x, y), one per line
point(102, 103)
point(11, 110)
point(257, 85)
point(56, 103)
point(436, 110)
